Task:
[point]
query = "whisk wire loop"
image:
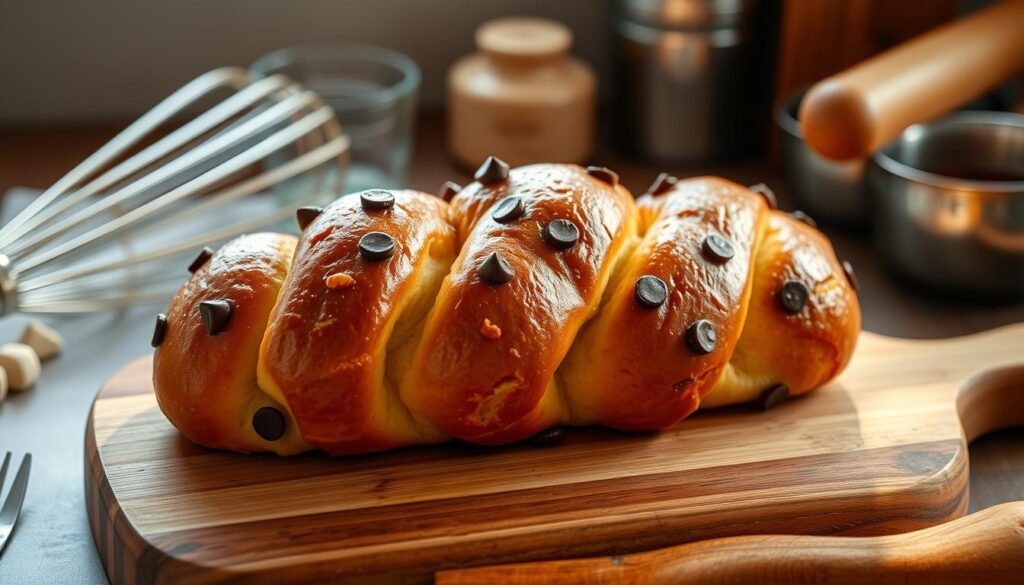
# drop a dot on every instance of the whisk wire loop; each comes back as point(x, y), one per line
point(268, 134)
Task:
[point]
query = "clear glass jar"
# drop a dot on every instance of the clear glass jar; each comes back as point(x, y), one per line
point(372, 90)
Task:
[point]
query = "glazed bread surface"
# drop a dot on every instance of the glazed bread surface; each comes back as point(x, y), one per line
point(206, 384)
point(485, 370)
point(337, 355)
point(633, 368)
point(538, 296)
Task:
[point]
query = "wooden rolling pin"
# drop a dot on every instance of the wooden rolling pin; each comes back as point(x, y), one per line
point(852, 114)
point(985, 547)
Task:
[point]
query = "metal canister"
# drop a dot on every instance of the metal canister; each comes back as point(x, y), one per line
point(689, 75)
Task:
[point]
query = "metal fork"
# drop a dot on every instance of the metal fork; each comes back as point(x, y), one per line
point(12, 505)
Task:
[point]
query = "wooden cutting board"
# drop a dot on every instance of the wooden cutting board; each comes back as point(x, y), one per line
point(881, 450)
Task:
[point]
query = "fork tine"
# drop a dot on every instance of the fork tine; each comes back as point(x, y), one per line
point(12, 505)
point(3, 470)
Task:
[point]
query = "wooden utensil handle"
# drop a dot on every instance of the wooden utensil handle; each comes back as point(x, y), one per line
point(852, 114)
point(984, 547)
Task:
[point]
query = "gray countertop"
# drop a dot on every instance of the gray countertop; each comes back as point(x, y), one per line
point(52, 542)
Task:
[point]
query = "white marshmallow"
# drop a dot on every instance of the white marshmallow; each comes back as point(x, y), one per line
point(22, 365)
point(44, 340)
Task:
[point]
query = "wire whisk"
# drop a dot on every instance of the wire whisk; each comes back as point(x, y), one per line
point(105, 234)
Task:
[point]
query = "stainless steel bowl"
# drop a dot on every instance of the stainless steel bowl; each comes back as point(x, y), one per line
point(948, 203)
point(832, 192)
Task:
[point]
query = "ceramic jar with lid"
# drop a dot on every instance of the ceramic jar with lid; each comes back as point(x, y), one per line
point(522, 97)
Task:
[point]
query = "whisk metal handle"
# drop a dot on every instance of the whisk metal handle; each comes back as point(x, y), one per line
point(8, 287)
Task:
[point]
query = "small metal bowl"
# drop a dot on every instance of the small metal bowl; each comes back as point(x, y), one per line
point(831, 191)
point(948, 203)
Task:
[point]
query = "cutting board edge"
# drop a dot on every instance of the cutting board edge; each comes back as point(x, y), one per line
point(120, 546)
point(129, 557)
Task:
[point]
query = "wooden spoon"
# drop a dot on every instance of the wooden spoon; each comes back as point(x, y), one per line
point(985, 547)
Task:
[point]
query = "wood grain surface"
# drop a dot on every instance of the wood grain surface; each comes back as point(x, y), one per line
point(880, 451)
point(846, 33)
point(985, 547)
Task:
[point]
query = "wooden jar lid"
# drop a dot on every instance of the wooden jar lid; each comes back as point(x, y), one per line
point(523, 38)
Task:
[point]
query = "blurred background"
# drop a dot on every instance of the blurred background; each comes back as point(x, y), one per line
point(685, 82)
point(111, 60)
point(933, 221)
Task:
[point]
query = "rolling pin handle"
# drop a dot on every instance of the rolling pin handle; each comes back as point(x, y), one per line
point(843, 126)
point(854, 113)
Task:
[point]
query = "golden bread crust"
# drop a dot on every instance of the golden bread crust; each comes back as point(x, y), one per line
point(206, 384)
point(492, 389)
point(325, 350)
point(634, 367)
point(802, 350)
point(539, 296)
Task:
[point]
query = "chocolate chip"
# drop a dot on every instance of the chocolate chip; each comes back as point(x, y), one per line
point(717, 249)
point(663, 183)
point(268, 422)
point(495, 270)
point(508, 209)
point(650, 291)
point(683, 384)
point(548, 438)
point(701, 337)
point(160, 330)
point(772, 397)
point(375, 199)
point(216, 315)
point(306, 215)
point(493, 170)
point(793, 296)
point(204, 256)
point(801, 216)
point(376, 246)
point(604, 174)
point(449, 190)
point(561, 234)
point(851, 275)
point(766, 192)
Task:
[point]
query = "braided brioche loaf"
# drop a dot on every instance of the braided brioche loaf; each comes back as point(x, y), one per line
point(540, 296)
